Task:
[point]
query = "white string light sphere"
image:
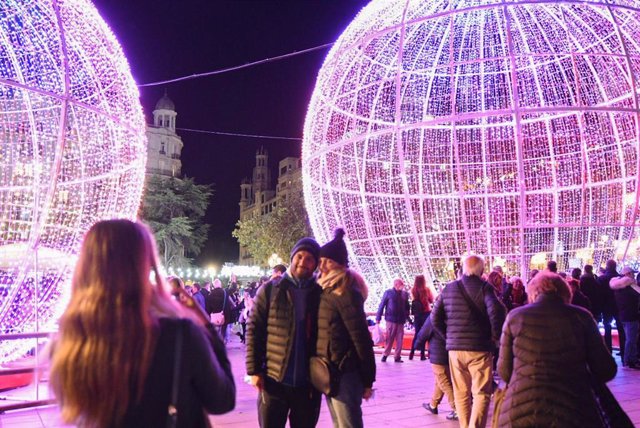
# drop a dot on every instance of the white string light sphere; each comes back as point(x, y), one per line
point(504, 128)
point(72, 152)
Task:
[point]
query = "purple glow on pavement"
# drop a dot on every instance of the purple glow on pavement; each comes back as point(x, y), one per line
point(72, 151)
point(509, 129)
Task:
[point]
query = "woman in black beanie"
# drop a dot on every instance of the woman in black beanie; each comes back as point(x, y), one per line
point(343, 334)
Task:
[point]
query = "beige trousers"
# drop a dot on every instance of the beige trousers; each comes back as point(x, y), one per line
point(442, 387)
point(472, 386)
point(395, 332)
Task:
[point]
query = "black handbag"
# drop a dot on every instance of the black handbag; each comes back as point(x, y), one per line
point(611, 413)
point(325, 376)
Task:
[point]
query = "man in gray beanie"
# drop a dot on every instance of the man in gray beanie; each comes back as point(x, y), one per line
point(281, 338)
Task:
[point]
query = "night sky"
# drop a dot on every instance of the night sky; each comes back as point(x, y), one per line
point(164, 39)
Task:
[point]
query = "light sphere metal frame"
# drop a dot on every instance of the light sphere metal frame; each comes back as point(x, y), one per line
point(72, 152)
point(503, 128)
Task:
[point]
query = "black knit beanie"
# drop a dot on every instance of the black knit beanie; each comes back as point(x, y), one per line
point(336, 249)
point(307, 244)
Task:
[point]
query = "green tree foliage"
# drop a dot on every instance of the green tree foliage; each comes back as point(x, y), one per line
point(174, 209)
point(276, 232)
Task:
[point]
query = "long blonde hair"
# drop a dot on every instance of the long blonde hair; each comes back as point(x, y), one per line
point(104, 347)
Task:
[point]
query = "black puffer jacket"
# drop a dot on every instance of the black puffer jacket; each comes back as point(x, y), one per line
point(395, 305)
point(454, 319)
point(270, 335)
point(437, 348)
point(342, 328)
point(545, 350)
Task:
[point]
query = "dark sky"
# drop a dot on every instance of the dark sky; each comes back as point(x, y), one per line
point(164, 39)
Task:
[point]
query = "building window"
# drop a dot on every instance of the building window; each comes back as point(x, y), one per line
point(162, 148)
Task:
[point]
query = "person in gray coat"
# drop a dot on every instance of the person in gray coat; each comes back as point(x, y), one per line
point(548, 351)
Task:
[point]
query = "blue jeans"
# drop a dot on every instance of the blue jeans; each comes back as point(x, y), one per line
point(345, 407)
point(631, 345)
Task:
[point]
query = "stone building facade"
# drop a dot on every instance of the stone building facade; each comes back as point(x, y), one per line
point(259, 198)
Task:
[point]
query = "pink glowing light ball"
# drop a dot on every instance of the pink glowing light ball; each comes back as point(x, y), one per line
point(509, 129)
point(72, 152)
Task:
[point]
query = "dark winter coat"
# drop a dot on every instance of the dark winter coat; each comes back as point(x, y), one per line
point(608, 300)
point(395, 305)
point(437, 346)
point(270, 334)
point(205, 379)
point(578, 298)
point(419, 312)
point(342, 328)
point(214, 303)
point(590, 287)
point(546, 352)
point(456, 321)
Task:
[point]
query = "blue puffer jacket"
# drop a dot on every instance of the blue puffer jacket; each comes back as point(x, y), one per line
point(396, 304)
point(437, 350)
point(456, 321)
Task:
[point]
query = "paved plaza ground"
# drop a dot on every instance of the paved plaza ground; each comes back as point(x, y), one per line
point(400, 391)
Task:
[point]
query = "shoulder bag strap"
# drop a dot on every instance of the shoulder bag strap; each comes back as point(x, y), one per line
point(224, 299)
point(474, 308)
point(173, 404)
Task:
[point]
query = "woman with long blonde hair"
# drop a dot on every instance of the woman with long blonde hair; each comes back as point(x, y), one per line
point(126, 353)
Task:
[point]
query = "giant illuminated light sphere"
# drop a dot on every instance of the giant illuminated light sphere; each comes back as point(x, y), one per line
point(505, 128)
point(72, 151)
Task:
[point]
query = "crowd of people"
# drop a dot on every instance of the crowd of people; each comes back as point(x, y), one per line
point(157, 360)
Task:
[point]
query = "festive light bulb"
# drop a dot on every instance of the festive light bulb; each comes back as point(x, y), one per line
point(505, 128)
point(72, 152)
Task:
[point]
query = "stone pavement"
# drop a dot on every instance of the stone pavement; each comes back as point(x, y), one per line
point(400, 391)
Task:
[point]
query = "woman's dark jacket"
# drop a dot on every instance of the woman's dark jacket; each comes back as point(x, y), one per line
point(419, 312)
point(271, 328)
point(547, 350)
point(395, 305)
point(343, 331)
point(437, 346)
point(205, 378)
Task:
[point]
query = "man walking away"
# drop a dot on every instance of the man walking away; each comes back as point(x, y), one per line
point(470, 317)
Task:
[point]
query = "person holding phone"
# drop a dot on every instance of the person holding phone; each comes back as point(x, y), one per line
point(128, 355)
